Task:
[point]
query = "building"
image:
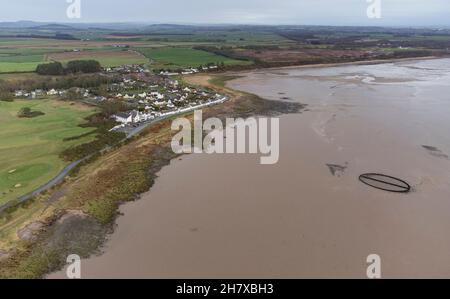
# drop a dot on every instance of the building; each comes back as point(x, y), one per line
point(52, 92)
point(128, 117)
point(20, 93)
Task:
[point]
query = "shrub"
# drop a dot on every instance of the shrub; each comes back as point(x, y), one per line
point(5, 96)
point(26, 112)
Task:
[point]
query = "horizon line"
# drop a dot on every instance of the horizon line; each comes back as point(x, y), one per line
point(224, 24)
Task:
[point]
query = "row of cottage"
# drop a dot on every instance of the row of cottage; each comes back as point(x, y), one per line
point(189, 71)
point(148, 96)
point(127, 83)
point(136, 117)
point(136, 68)
point(38, 93)
point(167, 96)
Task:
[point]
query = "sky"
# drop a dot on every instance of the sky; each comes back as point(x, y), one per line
point(268, 12)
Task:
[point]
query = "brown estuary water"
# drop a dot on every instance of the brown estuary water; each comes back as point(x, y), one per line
point(308, 216)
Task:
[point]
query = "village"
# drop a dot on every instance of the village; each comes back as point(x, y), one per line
point(147, 97)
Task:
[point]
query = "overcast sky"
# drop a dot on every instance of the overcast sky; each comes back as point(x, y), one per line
point(307, 12)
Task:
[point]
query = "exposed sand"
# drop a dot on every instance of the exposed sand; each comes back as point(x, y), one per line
point(216, 216)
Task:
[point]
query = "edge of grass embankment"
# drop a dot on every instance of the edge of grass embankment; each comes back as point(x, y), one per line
point(77, 216)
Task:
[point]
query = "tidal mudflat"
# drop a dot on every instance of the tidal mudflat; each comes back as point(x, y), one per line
point(227, 216)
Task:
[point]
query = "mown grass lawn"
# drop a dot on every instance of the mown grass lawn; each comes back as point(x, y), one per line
point(185, 57)
point(30, 147)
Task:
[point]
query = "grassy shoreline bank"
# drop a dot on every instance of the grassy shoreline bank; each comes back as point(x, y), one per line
point(254, 68)
point(77, 216)
point(37, 237)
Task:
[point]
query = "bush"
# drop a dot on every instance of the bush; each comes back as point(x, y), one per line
point(5, 96)
point(54, 69)
point(26, 112)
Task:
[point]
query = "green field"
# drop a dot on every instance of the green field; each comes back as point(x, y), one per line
point(30, 147)
point(169, 50)
point(105, 56)
point(20, 60)
point(24, 55)
point(106, 61)
point(185, 57)
point(14, 67)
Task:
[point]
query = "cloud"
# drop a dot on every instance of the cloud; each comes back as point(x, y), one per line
point(315, 12)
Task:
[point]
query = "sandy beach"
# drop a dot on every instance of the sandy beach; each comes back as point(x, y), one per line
point(227, 216)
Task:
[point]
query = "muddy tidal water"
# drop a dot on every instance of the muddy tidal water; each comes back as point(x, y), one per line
point(308, 216)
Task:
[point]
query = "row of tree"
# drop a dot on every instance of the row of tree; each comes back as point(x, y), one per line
point(64, 82)
point(72, 67)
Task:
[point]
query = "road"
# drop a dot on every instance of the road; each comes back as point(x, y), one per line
point(62, 175)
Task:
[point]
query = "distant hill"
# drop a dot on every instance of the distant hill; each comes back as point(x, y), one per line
point(19, 24)
point(56, 27)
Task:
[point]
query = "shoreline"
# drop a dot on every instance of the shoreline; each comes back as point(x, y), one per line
point(62, 175)
point(289, 224)
point(100, 188)
point(154, 141)
point(337, 64)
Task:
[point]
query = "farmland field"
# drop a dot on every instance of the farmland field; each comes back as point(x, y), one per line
point(185, 57)
point(26, 60)
point(20, 60)
point(12, 67)
point(30, 147)
point(106, 58)
point(15, 77)
point(24, 55)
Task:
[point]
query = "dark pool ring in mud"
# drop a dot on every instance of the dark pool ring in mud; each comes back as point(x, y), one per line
point(385, 182)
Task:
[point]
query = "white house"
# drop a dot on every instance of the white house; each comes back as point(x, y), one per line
point(52, 92)
point(128, 117)
point(157, 95)
point(168, 73)
point(19, 93)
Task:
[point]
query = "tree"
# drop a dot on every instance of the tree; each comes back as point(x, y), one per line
point(83, 66)
point(5, 95)
point(72, 94)
point(54, 68)
point(26, 112)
